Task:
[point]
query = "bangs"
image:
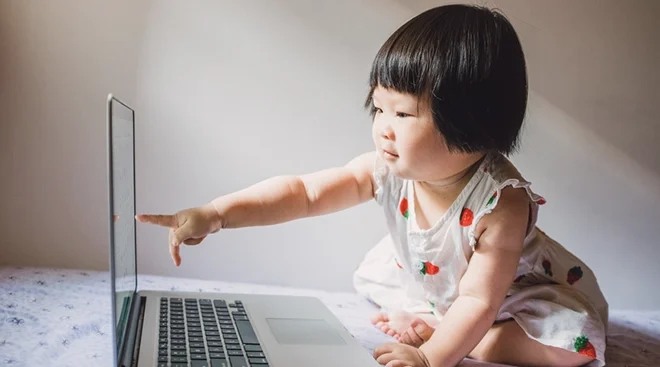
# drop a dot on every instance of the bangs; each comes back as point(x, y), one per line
point(403, 63)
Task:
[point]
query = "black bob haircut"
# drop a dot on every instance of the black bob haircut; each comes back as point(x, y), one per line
point(469, 61)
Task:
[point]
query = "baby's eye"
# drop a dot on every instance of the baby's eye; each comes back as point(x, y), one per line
point(402, 114)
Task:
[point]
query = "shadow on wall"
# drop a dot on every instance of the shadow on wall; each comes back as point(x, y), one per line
point(59, 61)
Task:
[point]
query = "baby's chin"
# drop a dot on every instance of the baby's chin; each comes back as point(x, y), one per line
point(402, 171)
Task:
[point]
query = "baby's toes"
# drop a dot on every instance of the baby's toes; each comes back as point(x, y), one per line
point(379, 317)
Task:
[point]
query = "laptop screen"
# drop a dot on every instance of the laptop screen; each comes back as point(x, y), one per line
point(122, 209)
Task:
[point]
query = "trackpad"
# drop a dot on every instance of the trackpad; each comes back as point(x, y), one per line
point(304, 331)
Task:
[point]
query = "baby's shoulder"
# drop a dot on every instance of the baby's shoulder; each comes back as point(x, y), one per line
point(387, 185)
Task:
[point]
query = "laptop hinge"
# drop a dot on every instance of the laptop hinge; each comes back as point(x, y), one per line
point(131, 350)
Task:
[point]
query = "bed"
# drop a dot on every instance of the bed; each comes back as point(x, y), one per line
point(61, 317)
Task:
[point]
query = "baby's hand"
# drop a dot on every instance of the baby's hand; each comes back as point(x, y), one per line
point(189, 226)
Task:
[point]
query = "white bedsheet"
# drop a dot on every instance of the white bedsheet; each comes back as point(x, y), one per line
point(56, 317)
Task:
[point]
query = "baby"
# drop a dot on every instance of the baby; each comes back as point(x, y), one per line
point(464, 271)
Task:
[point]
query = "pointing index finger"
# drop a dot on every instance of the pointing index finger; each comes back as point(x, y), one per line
point(164, 220)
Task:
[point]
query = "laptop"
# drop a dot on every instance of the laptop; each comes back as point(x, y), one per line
point(197, 329)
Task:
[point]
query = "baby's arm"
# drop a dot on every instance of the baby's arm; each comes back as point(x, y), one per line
point(285, 198)
point(484, 286)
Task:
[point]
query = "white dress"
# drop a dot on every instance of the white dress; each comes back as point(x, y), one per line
point(555, 297)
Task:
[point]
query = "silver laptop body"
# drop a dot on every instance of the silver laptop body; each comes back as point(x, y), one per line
point(196, 329)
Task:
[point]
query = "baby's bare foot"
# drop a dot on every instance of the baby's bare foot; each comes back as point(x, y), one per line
point(397, 322)
point(382, 321)
point(418, 333)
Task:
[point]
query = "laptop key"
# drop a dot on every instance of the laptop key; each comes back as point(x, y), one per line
point(235, 353)
point(253, 348)
point(178, 353)
point(161, 364)
point(199, 363)
point(219, 362)
point(214, 344)
point(213, 338)
point(199, 357)
point(162, 352)
point(255, 355)
point(246, 332)
point(162, 359)
point(216, 350)
point(233, 347)
point(238, 361)
point(196, 345)
point(197, 350)
point(258, 361)
point(179, 359)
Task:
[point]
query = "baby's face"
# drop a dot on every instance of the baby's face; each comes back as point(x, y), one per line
point(406, 138)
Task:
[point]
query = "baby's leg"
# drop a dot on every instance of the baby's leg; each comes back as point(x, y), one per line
point(507, 343)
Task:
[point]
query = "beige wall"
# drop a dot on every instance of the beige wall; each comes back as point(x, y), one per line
point(215, 82)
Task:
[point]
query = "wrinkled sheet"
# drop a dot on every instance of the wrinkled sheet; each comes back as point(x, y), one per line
point(61, 317)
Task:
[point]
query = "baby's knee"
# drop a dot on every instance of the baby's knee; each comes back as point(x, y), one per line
point(490, 348)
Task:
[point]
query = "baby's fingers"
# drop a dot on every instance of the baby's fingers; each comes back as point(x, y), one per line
point(174, 248)
point(158, 219)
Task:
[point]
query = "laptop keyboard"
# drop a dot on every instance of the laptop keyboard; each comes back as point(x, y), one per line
point(206, 333)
